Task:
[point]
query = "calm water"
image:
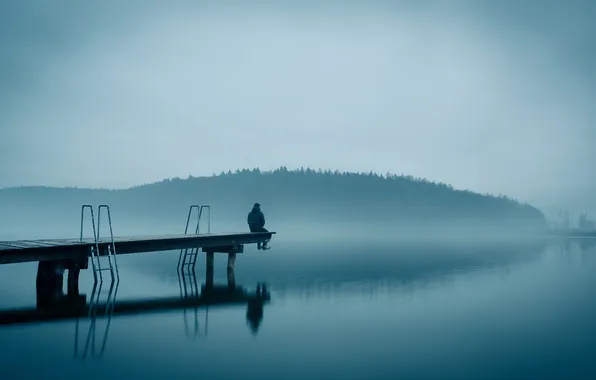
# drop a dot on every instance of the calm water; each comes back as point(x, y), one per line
point(362, 311)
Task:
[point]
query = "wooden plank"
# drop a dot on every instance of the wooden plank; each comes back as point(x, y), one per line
point(58, 249)
point(131, 239)
point(41, 243)
point(64, 241)
point(5, 247)
point(11, 256)
point(31, 244)
point(18, 244)
point(60, 242)
point(169, 242)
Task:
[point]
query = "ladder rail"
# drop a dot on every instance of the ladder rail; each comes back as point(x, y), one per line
point(95, 248)
point(195, 251)
point(192, 253)
point(208, 207)
point(194, 258)
point(192, 207)
point(183, 252)
point(111, 249)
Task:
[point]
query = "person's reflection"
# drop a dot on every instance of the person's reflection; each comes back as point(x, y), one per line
point(254, 315)
point(254, 312)
point(234, 293)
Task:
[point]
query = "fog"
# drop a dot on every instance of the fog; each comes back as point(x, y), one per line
point(298, 204)
point(489, 97)
point(43, 224)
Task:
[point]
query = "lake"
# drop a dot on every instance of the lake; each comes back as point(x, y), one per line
point(360, 311)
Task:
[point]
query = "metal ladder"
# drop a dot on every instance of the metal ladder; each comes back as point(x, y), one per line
point(188, 256)
point(111, 248)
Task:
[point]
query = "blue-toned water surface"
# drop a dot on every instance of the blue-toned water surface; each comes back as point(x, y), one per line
point(357, 311)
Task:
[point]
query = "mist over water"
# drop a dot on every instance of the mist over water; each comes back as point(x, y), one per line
point(354, 309)
point(368, 277)
point(320, 204)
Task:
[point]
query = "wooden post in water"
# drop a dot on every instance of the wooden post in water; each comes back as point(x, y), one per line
point(231, 274)
point(231, 261)
point(49, 283)
point(209, 269)
point(74, 270)
point(73, 280)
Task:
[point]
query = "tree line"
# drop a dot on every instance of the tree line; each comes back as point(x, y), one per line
point(296, 195)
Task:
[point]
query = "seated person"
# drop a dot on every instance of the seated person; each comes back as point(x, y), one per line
point(256, 223)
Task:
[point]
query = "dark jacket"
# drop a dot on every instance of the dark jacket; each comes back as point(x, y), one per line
point(256, 217)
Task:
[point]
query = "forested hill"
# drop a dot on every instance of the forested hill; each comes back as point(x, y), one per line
point(302, 196)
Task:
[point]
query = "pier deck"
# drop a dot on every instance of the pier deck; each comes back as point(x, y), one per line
point(20, 251)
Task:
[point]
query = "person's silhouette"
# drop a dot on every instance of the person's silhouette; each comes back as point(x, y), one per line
point(256, 223)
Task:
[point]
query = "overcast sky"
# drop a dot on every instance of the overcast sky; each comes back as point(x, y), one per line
point(492, 96)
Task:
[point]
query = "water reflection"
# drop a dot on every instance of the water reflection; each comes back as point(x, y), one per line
point(433, 309)
point(90, 341)
point(587, 244)
point(580, 251)
point(93, 318)
point(189, 288)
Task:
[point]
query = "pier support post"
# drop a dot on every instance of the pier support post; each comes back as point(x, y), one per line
point(231, 275)
point(49, 283)
point(209, 269)
point(231, 260)
point(231, 279)
point(74, 270)
point(73, 280)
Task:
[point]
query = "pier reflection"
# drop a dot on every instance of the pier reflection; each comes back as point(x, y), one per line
point(93, 317)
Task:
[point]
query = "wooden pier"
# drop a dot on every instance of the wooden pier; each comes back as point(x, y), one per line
point(56, 255)
point(21, 251)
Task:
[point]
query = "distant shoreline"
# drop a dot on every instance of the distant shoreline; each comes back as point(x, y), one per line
point(572, 233)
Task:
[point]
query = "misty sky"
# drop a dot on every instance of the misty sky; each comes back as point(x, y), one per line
point(494, 96)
